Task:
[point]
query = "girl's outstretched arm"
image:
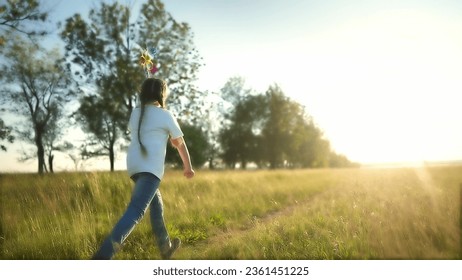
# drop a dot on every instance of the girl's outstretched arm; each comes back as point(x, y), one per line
point(182, 149)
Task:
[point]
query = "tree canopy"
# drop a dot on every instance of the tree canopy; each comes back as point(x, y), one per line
point(105, 52)
point(16, 18)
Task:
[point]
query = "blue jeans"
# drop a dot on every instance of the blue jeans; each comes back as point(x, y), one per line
point(145, 194)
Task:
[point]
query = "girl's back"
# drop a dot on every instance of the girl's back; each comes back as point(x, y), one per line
point(158, 124)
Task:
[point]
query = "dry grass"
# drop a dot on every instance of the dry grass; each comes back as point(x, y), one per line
point(407, 213)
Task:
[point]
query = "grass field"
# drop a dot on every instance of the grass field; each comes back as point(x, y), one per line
point(401, 213)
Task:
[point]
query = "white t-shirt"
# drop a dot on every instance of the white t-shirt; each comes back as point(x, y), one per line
point(158, 124)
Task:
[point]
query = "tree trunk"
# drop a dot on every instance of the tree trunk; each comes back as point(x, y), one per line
point(211, 165)
point(50, 162)
point(111, 157)
point(40, 152)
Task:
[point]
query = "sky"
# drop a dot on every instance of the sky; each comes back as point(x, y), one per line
point(381, 79)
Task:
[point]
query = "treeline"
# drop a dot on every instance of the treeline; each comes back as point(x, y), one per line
point(93, 84)
point(264, 130)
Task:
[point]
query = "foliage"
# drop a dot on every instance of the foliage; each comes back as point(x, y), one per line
point(5, 134)
point(271, 130)
point(233, 92)
point(196, 142)
point(235, 125)
point(213, 110)
point(278, 127)
point(37, 88)
point(338, 160)
point(17, 16)
point(99, 118)
point(242, 140)
point(105, 53)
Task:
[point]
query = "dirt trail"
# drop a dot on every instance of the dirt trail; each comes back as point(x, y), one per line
point(256, 221)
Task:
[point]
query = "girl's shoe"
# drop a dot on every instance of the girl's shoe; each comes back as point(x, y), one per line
point(167, 252)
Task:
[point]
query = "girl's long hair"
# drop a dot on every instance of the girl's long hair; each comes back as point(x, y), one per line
point(152, 90)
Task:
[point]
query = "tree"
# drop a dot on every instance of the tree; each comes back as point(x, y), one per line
point(241, 141)
point(197, 143)
point(313, 150)
point(271, 130)
point(297, 132)
point(36, 88)
point(277, 127)
point(17, 17)
point(230, 136)
point(212, 111)
point(54, 134)
point(105, 53)
point(100, 118)
point(291, 138)
point(178, 59)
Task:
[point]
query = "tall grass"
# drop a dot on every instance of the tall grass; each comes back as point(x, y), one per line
point(409, 213)
point(369, 214)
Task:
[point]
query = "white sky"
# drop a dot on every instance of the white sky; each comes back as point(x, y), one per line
point(382, 79)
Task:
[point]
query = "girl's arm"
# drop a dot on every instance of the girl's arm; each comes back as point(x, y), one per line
point(182, 149)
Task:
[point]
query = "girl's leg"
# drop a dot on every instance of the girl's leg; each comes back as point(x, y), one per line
point(157, 220)
point(146, 185)
point(166, 247)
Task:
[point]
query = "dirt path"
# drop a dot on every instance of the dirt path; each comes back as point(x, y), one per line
point(257, 221)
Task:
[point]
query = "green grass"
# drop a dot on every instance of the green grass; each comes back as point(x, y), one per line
point(406, 213)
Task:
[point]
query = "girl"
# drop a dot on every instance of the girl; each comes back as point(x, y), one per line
point(152, 125)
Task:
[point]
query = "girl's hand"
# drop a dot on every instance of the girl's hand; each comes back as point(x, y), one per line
point(189, 173)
